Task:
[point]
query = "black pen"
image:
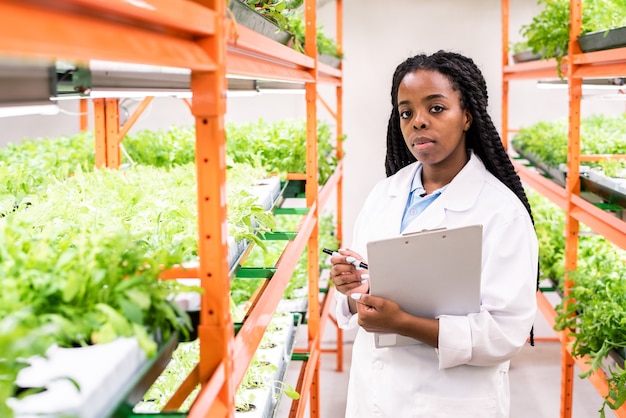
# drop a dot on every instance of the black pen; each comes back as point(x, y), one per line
point(355, 263)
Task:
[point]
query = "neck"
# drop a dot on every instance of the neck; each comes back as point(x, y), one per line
point(436, 176)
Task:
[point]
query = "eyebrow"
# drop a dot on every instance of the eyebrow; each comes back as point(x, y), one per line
point(427, 98)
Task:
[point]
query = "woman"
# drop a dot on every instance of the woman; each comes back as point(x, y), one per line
point(446, 167)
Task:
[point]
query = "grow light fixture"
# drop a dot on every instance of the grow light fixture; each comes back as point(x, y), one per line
point(602, 84)
point(24, 109)
point(25, 88)
point(102, 79)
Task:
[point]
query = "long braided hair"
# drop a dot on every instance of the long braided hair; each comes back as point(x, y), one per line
point(482, 136)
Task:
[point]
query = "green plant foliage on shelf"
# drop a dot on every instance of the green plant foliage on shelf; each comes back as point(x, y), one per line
point(596, 314)
point(549, 225)
point(27, 167)
point(280, 147)
point(276, 147)
point(278, 11)
point(548, 32)
point(81, 249)
point(600, 134)
point(325, 44)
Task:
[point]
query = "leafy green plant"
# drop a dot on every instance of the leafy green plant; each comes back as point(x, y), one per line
point(596, 307)
point(600, 15)
point(280, 147)
point(325, 44)
point(548, 32)
point(548, 140)
point(22, 336)
point(549, 226)
point(277, 11)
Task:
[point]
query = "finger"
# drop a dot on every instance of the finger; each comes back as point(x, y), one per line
point(346, 279)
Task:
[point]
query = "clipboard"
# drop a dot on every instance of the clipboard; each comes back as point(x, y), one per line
point(428, 273)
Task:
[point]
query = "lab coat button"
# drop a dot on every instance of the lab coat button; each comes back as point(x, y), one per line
point(378, 364)
point(376, 410)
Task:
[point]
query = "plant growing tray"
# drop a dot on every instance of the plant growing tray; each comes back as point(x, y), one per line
point(556, 174)
point(329, 60)
point(613, 190)
point(525, 56)
point(606, 39)
point(246, 16)
point(106, 374)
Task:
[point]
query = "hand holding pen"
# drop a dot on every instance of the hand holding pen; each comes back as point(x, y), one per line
point(348, 273)
point(356, 263)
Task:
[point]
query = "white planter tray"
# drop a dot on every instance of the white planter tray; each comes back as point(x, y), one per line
point(617, 184)
point(262, 399)
point(299, 303)
point(266, 399)
point(102, 371)
point(267, 191)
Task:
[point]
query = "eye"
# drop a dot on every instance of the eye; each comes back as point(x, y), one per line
point(437, 109)
point(405, 114)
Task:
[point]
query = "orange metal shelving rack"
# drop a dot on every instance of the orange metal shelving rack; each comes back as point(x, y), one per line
point(575, 67)
point(198, 35)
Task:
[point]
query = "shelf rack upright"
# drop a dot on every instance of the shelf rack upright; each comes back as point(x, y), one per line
point(576, 66)
point(197, 35)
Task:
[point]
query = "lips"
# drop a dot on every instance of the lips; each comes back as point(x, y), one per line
point(422, 143)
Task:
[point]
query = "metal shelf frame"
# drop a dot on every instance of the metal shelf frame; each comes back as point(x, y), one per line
point(198, 35)
point(575, 67)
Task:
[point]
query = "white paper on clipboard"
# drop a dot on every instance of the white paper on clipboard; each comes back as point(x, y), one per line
point(428, 273)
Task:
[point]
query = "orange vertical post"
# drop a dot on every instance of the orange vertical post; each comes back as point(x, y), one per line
point(83, 115)
point(313, 314)
point(572, 187)
point(339, 119)
point(505, 82)
point(99, 116)
point(216, 330)
point(112, 117)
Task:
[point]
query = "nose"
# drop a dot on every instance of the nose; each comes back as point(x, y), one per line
point(419, 121)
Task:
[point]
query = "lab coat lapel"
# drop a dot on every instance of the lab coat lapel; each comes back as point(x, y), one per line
point(398, 194)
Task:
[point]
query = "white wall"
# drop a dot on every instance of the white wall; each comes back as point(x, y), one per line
point(376, 39)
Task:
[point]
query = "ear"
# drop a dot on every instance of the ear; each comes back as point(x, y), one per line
point(468, 121)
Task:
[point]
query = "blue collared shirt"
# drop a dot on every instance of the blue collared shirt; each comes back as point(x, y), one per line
point(417, 203)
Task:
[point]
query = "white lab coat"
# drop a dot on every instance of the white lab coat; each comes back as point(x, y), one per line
point(468, 375)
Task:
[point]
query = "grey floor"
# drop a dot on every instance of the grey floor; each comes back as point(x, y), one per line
point(535, 379)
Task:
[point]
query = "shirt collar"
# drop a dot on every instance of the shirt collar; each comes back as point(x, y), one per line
point(416, 184)
point(417, 187)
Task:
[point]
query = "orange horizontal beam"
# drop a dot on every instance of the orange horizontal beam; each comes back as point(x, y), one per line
point(327, 70)
point(605, 70)
point(254, 326)
point(602, 157)
point(165, 15)
point(600, 57)
point(329, 80)
point(546, 308)
point(307, 373)
point(296, 176)
point(207, 403)
point(532, 70)
point(243, 40)
point(180, 272)
point(33, 32)
point(599, 380)
point(603, 223)
point(546, 187)
point(251, 66)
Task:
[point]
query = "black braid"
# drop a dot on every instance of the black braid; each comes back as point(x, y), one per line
point(482, 136)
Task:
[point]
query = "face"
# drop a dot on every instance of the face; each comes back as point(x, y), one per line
point(432, 119)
